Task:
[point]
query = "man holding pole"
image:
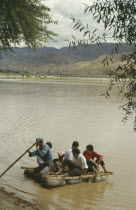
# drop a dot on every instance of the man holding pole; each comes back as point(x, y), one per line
point(44, 152)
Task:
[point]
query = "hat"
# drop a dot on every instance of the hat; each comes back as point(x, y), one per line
point(39, 139)
point(61, 154)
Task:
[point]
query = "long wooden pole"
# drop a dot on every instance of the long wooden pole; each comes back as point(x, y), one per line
point(16, 161)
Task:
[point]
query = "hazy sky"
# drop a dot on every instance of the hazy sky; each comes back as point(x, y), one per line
point(62, 10)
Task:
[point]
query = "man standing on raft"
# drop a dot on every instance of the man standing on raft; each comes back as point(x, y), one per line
point(44, 152)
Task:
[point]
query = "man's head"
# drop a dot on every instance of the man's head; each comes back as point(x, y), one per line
point(76, 152)
point(89, 149)
point(49, 144)
point(75, 145)
point(39, 141)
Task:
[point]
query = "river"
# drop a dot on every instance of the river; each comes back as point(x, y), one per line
point(63, 112)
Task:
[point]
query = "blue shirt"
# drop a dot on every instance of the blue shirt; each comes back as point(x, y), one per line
point(44, 153)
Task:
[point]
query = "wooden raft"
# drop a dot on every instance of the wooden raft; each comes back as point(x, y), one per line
point(52, 181)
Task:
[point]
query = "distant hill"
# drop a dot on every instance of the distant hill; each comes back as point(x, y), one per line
point(82, 62)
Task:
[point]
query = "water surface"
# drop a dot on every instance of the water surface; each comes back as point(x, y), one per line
point(61, 113)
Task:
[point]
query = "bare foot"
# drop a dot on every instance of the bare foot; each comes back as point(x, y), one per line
point(59, 172)
point(64, 175)
point(94, 178)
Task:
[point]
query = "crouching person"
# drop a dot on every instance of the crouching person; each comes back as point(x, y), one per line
point(78, 166)
point(44, 152)
point(58, 163)
point(93, 165)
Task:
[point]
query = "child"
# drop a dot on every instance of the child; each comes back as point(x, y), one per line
point(58, 162)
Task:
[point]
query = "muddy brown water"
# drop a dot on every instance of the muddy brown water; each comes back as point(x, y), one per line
point(62, 112)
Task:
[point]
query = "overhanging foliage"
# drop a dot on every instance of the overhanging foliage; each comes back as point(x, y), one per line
point(119, 18)
point(24, 20)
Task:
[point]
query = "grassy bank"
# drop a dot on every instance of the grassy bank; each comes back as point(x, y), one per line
point(55, 78)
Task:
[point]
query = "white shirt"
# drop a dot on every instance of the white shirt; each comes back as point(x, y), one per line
point(80, 161)
point(68, 154)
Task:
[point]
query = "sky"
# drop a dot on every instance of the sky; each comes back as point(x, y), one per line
point(62, 11)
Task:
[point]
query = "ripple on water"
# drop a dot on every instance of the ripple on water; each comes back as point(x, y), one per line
point(62, 113)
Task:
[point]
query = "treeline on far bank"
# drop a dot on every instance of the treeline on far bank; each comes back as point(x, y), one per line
point(6, 73)
point(14, 72)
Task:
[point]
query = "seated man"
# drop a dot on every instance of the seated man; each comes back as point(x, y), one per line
point(78, 166)
point(68, 154)
point(44, 152)
point(90, 155)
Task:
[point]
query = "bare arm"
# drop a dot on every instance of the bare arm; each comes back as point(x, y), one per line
point(34, 153)
point(37, 145)
point(99, 160)
point(58, 166)
point(92, 161)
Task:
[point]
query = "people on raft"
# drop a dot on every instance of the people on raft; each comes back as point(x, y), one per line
point(44, 152)
point(72, 161)
point(93, 165)
point(68, 154)
point(78, 166)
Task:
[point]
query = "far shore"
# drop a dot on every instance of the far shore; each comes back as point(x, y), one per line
point(54, 78)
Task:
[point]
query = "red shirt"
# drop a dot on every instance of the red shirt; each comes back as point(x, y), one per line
point(92, 156)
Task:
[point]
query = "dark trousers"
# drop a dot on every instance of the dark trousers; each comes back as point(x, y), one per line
point(41, 167)
point(73, 169)
point(90, 165)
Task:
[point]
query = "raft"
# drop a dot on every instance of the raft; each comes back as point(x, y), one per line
point(54, 181)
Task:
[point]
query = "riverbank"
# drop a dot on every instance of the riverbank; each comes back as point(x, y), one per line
point(9, 201)
point(54, 78)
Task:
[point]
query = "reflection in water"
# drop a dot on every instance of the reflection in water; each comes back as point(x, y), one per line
point(62, 113)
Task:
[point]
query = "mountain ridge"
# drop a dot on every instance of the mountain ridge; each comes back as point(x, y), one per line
point(64, 61)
